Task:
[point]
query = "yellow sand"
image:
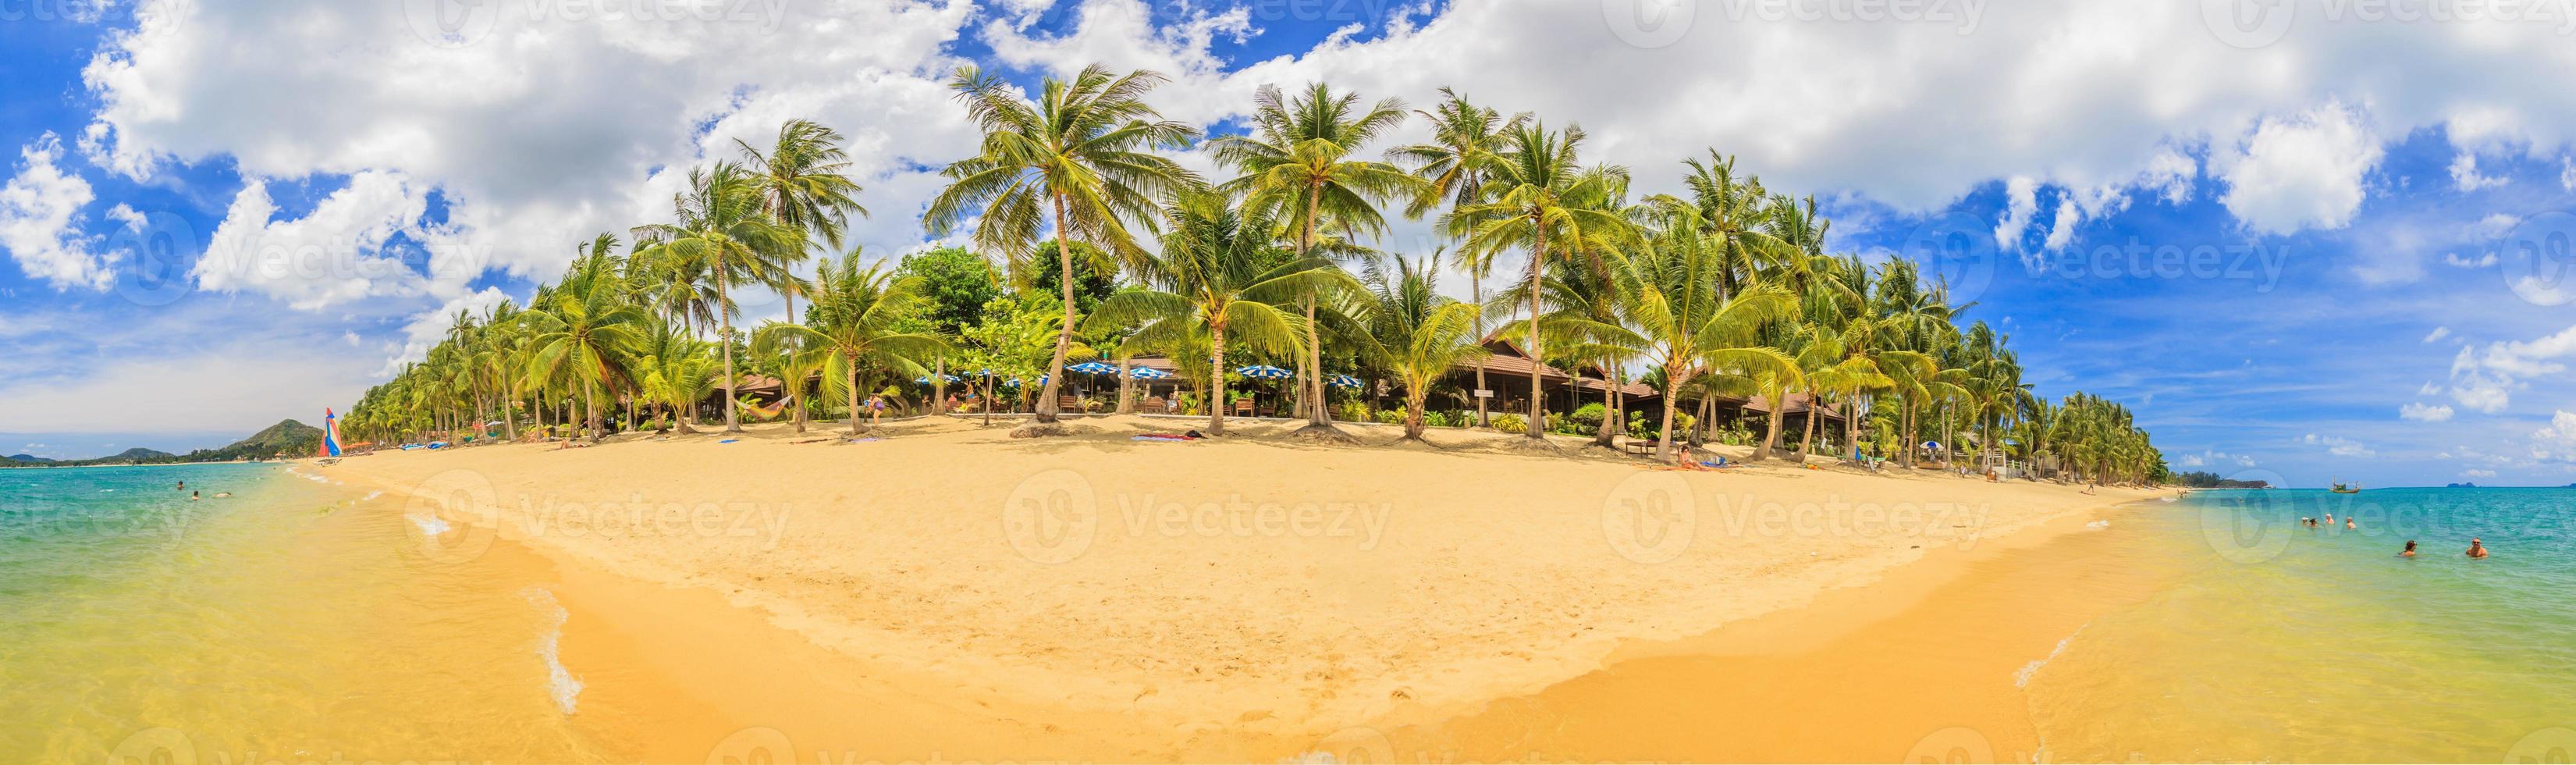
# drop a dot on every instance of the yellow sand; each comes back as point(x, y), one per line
point(960, 594)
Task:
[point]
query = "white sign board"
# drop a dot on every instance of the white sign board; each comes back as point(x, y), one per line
point(1484, 394)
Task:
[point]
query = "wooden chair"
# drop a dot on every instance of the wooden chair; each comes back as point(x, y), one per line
point(1157, 405)
point(1072, 404)
point(1243, 408)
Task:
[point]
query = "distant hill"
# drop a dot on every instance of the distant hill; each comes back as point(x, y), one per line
point(287, 438)
point(2459, 486)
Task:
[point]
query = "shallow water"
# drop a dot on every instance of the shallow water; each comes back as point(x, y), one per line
point(294, 621)
point(2279, 642)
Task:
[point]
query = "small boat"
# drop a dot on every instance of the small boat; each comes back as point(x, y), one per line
point(2346, 489)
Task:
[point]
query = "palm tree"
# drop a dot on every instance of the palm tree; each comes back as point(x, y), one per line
point(1542, 201)
point(723, 238)
point(1691, 329)
point(1464, 139)
point(1417, 333)
point(583, 331)
point(1298, 164)
point(858, 322)
point(1078, 159)
point(675, 371)
point(803, 186)
point(1218, 273)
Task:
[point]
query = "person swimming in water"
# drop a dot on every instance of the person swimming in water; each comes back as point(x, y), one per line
point(2350, 522)
point(2410, 550)
point(183, 485)
point(2477, 549)
point(192, 496)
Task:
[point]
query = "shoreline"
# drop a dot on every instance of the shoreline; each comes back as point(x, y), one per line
point(1018, 695)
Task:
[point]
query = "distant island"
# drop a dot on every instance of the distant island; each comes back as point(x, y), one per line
point(2459, 486)
point(2208, 480)
point(287, 438)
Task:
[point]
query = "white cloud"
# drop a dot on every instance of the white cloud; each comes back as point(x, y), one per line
point(2477, 474)
point(2338, 445)
point(2561, 430)
point(2021, 203)
point(2301, 171)
point(2437, 334)
point(2422, 413)
point(2481, 261)
point(333, 255)
point(2465, 177)
point(2567, 173)
point(40, 221)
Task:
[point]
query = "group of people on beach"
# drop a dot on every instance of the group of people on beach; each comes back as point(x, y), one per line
point(2477, 547)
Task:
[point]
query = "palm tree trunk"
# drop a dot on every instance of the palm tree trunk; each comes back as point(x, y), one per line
point(1807, 442)
point(1126, 382)
point(1413, 400)
point(854, 397)
point(939, 386)
point(1699, 425)
point(1216, 379)
point(590, 408)
point(1537, 429)
point(1612, 422)
point(1771, 435)
point(733, 419)
point(1476, 290)
point(1046, 408)
point(1664, 439)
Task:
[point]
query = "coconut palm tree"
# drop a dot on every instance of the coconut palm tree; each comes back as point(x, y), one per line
point(1689, 327)
point(722, 237)
point(1416, 333)
point(858, 322)
point(583, 331)
point(1299, 164)
point(1219, 272)
point(1078, 160)
point(675, 371)
point(1464, 139)
point(1543, 201)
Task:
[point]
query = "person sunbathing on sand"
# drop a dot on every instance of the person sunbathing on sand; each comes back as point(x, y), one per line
point(2476, 548)
point(2410, 550)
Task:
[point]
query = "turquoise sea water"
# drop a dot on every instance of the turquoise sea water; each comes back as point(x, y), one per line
point(295, 621)
point(2283, 643)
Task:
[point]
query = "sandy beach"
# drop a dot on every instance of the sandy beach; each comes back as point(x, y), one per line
point(946, 591)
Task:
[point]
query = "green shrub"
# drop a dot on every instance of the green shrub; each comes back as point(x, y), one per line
point(1390, 417)
point(1351, 411)
point(1510, 423)
point(1588, 415)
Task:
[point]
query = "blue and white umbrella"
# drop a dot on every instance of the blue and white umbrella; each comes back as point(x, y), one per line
point(925, 380)
point(1343, 381)
point(1148, 373)
point(1265, 372)
point(1092, 368)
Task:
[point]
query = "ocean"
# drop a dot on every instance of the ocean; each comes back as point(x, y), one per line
point(296, 620)
point(2269, 640)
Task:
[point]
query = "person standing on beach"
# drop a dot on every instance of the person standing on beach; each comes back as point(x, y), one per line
point(2477, 549)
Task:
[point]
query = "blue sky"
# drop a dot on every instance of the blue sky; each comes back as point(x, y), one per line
point(2292, 249)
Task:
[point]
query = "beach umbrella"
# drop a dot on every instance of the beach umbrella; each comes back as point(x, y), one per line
point(1148, 373)
point(1265, 372)
point(925, 379)
point(1092, 368)
point(1343, 381)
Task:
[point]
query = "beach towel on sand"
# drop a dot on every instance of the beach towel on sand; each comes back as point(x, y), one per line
point(1189, 436)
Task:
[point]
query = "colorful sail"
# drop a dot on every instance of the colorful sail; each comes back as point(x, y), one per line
point(330, 433)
